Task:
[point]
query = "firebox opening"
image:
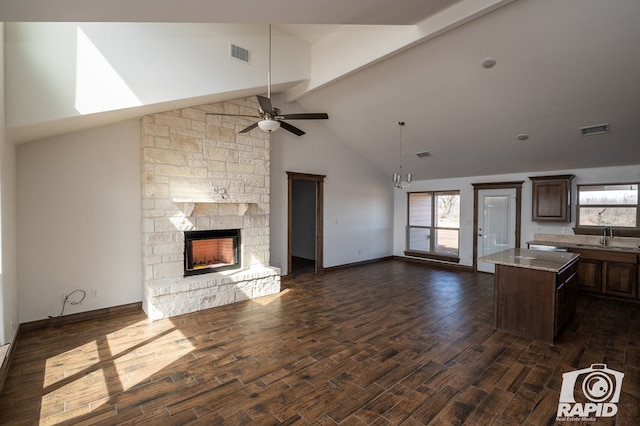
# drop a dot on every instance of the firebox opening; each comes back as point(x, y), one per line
point(211, 251)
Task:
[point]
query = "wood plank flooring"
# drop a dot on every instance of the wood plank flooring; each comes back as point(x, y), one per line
point(389, 343)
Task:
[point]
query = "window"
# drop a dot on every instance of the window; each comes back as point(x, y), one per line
point(433, 224)
point(613, 205)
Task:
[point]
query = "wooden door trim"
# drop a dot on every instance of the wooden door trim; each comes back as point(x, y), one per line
point(517, 185)
point(319, 179)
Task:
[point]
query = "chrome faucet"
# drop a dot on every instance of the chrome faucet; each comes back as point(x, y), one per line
point(607, 232)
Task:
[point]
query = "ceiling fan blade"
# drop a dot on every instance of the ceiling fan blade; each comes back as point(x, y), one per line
point(265, 104)
point(248, 129)
point(305, 116)
point(291, 128)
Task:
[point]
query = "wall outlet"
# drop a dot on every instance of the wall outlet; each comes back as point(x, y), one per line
point(94, 293)
point(63, 296)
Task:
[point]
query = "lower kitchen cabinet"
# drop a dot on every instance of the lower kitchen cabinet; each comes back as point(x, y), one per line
point(608, 272)
point(620, 279)
point(565, 297)
point(589, 274)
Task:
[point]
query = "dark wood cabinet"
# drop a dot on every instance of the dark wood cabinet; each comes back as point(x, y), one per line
point(534, 303)
point(551, 198)
point(620, 279)
point(589, 275)
point(608, 272)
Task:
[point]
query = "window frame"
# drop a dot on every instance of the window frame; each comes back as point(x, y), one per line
point(433, 228)
point(622, 231)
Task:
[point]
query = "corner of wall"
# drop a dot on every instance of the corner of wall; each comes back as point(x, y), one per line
point(8, 262)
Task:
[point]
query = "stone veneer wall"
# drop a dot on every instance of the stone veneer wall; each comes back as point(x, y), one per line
point(187, 157)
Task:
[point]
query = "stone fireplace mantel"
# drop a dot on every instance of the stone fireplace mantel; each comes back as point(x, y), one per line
point(187, 205)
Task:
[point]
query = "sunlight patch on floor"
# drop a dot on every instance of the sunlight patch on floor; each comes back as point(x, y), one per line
point(266, 300)
point(89, 376)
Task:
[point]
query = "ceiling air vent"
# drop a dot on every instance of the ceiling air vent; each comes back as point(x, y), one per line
point(239, 53)
point(598, 129)
point(423, 154)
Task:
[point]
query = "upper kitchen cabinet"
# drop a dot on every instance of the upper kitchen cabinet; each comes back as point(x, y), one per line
point(551, 198)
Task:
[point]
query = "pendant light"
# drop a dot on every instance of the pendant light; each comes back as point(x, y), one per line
point(397, 177)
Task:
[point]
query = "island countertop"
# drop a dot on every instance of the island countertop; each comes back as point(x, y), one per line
point(531, 259)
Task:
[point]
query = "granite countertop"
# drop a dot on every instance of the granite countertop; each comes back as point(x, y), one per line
point(531, 259)
point(570, 244)
point(591, 242)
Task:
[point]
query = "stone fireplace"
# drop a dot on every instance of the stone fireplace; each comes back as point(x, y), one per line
point(201, 178)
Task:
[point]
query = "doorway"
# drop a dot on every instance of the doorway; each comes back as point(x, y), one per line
point(305, 225)
point(497, 218)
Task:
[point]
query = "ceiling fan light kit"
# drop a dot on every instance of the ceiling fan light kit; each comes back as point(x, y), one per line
point(268, 125)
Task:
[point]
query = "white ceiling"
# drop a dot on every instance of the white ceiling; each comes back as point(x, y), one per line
point(561, 65)
point(365, 12)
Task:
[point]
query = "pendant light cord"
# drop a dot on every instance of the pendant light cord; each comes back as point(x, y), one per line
point(401, 124)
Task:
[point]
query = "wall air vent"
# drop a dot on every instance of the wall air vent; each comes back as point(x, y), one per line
point(423, 154)
point(598, 129)
point(239, 53)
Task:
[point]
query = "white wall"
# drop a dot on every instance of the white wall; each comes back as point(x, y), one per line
point(8, 259)
point(358, 198)
point(583, 176)
point(79, 220)
point(60, 70)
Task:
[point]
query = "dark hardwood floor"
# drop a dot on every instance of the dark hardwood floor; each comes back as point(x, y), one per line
point(301, 266)
point(385, 343)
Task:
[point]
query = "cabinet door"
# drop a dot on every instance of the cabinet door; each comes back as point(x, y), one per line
point(620, 279)
point(560, 309)
point(589, 275)
point(551, 199)
point(570, 297)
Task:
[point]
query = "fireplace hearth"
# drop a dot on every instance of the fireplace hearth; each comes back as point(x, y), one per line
point(211, 251)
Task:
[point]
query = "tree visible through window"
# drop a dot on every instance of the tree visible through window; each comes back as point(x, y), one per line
point(434, 222)
point(608, 205)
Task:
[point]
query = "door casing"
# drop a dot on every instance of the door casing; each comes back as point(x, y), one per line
point(517, 185)
point(319, 180)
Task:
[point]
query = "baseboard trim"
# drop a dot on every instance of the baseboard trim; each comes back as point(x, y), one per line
point(436, 263)
point(361, 263)
point(288, 277)
point(81, 316)
point(6, 362)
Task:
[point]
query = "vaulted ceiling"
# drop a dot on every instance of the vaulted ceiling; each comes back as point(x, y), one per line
point(560, 66)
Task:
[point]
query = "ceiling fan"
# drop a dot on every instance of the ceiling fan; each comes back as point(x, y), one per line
point(271, 118)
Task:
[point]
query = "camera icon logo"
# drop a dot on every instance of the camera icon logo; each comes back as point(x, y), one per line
point(592, 391)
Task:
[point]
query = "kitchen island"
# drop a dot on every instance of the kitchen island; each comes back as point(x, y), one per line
point(534, 294)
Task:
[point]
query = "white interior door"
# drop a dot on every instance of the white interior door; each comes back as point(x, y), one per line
point(496, 223)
